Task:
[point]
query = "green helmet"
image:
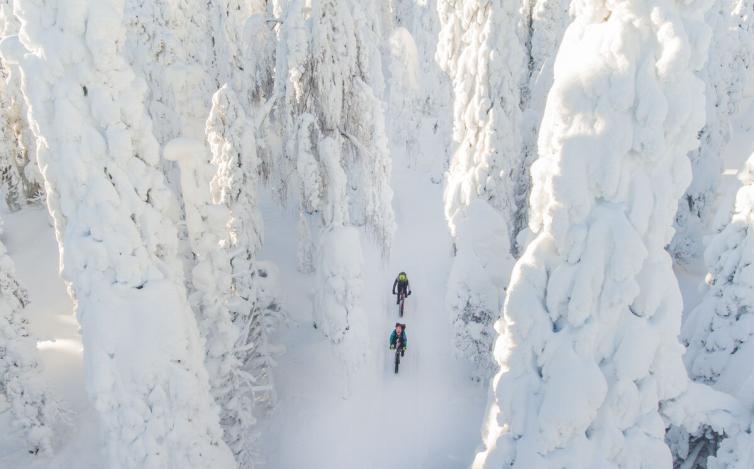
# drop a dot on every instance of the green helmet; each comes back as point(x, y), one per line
point(402, 276)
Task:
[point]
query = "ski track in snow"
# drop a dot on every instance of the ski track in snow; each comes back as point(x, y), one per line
point(427, 416)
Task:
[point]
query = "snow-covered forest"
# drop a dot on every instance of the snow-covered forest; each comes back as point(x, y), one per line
point(204, 206)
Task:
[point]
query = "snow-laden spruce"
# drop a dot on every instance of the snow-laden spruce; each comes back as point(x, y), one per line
point(188, 64)
point(210, 289)
point(11, 181)
point(20, 179)
point(735, 452)
point(23, 391)
point(191, 62)
point(419, 92)
point(718, 330)
point(185, 50)
point(701, 418)
point(404, 97)
point(480, 271)
point(335, 162)
point(329, 68)
point(234, 186)
point(142, 350)
point(157, 50)
point(480, 50)
point(587, 344)
point(731, 59)
point(541, 29)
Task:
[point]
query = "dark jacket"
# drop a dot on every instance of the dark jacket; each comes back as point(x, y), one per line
point(402, 286)
point(394, 338)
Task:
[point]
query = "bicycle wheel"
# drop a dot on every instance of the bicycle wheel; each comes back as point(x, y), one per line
point(397, 359)
point(400, 308)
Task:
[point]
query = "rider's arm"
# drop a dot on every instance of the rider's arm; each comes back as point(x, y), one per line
point(395, 284)
point(392, 338)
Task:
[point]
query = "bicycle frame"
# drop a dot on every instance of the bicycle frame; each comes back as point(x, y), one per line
point(398, 347)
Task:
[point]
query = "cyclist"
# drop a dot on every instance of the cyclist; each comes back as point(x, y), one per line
point(401, 281)
point(399, 331)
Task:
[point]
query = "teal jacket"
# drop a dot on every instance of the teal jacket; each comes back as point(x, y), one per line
point(394, 338)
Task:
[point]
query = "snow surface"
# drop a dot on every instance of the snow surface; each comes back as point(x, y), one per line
point(425, 417)
point(329, 415)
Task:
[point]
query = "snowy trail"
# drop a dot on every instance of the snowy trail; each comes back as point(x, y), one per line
point(425, 417)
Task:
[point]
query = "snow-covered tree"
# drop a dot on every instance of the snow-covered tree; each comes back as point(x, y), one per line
point(257, 89)
point(337, 309)
point(142, 350)
point(541, 29)
point(703, 418)
point(22, 389)
point(735, 452)
point(11, 185)
point(476, 284)
point(190, 70)
point(404, 100)
point(20, 179)
point(329, 68)
point(419, 92)
point(718, 329)
point(336, 164)
point(480, 50)
point(422, 21)
point(184, 67)
point(729, 67)
point(234, 186)
point(185, 50)
point(210, 286)
point(587, 347)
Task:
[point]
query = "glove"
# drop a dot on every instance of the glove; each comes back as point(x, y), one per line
point(409, 294)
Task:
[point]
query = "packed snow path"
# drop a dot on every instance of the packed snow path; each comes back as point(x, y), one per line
point(427, 416)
